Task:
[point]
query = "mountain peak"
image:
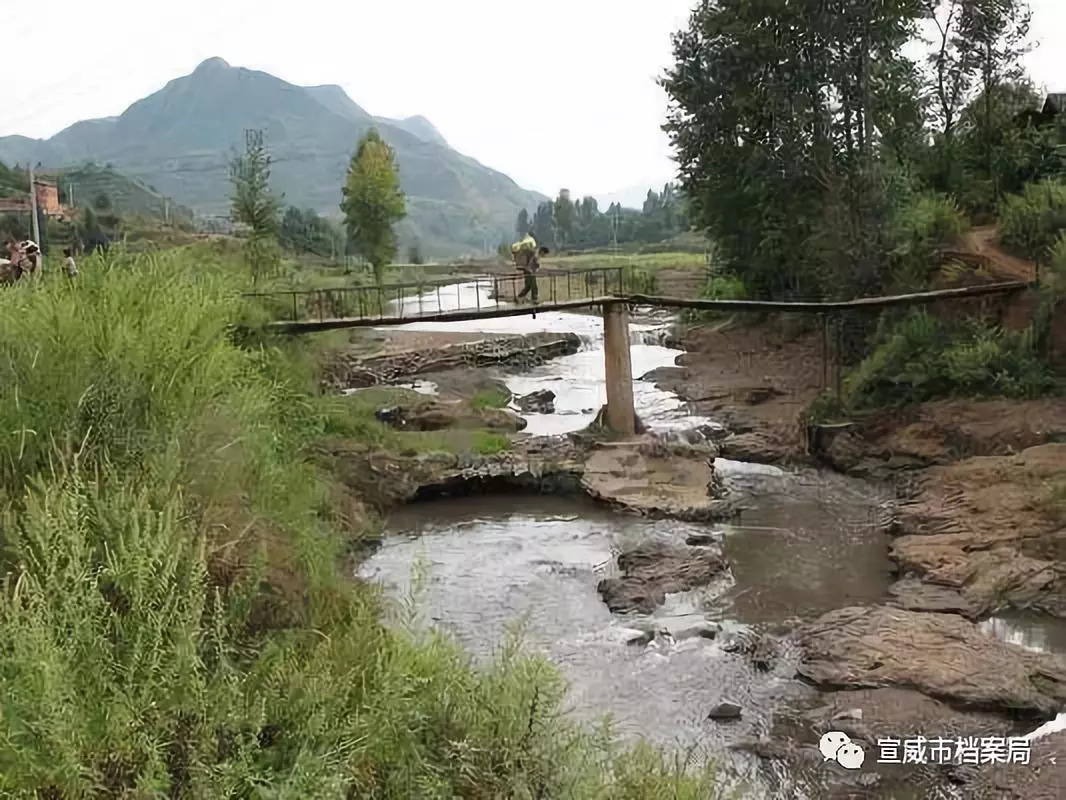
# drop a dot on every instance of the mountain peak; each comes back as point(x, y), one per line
point(213, 63)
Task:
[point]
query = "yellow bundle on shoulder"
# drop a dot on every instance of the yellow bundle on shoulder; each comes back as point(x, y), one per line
point(524, 250)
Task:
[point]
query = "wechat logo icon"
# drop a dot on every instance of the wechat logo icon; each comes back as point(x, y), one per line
point(837, 746)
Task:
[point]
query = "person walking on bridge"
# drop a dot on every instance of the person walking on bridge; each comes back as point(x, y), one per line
point(530, 269)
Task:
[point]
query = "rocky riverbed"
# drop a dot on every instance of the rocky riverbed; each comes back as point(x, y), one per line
point(969, 526)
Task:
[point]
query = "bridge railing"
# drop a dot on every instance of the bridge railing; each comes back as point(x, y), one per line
point(431, 298)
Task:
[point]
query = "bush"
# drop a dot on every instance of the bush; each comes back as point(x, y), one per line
point(718, 287)
point(916, 231)
point(173, 617)
point(921, 358)
point(724, 287)
point(490, 398)
point(1030, 223)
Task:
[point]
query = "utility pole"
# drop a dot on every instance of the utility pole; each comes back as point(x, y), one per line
point(166, 210)
point(70, 195)
point(33, 210)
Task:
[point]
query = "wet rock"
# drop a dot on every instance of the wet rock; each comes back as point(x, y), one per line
point(760, 394)
point(705, 630)
point(983, 528)
point(657, 479)
point(641, 639)
point(853, 714)
point(539, 402)
point(393, 416)
point(703, 539)
point(726, 710)
point(764, 748)
point(916, 595)
point(351, 370)
point(1043, 778)
point(434, 418)
point(653, 570)
point(500, 419)
point(868, 780)
point(756, 447)
point(445, 416)
point(760, 648)
point(385, 480)
point(900, 712)
point(942, 655)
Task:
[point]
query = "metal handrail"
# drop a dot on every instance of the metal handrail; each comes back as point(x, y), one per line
point(372, 301)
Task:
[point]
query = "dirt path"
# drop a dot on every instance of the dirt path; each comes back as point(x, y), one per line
point(984, 242)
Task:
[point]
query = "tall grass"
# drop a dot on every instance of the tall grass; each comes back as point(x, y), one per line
point(1030, 222)
point(173, 616)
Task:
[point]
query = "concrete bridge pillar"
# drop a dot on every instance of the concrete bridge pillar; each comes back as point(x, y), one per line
point(618, 370)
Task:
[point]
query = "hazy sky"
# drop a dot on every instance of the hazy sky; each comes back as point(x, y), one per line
point(585, 68)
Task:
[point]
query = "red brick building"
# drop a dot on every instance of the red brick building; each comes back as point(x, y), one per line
point(48, 197)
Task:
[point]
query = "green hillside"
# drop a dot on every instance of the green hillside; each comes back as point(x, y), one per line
point(127, 197)
point(181, 139)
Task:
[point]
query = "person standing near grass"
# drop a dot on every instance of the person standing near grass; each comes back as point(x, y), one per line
point(530, 269)
point(15, 256)
point(68, 262)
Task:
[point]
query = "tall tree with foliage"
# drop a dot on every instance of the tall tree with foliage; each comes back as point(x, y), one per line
point(522, 224)
point(564, 215)
point(373, 202)
point(994, 34)
point(305, 231)
point(544, 224)
point(255, 206)
point(781, 119)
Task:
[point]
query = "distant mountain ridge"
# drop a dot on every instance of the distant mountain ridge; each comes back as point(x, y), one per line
point(182, 138)
point(632, 196)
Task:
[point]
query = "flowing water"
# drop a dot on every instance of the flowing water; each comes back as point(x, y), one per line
point(576, 380)
point(806, 542)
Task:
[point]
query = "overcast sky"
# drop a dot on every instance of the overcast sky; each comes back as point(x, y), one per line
point(586, 67)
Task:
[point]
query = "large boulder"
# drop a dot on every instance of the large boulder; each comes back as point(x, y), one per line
point(655, 569)
point(984, 529)
point(942, 655)
point(541, 401)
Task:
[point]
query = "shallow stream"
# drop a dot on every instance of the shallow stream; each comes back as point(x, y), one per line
point(806, 542)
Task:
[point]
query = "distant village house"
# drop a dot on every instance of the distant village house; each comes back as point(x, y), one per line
point(47, 192)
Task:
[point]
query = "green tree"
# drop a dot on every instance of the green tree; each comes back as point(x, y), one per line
point(373, 202)
point(564, 214)
point(305, 231)
point(255, 206)
point(102, 202)
point(522, 224)
point(544, 224)
point(414, 254)
point(782, 116)
point(994, 35)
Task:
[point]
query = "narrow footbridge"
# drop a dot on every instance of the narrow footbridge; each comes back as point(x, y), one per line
point(609, 289)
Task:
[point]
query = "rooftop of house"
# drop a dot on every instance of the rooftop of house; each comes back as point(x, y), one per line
point(1055, 101)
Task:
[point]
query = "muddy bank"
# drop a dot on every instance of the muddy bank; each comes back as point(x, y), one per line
point(756, 380)
point(353, 370)
point(943, 432)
